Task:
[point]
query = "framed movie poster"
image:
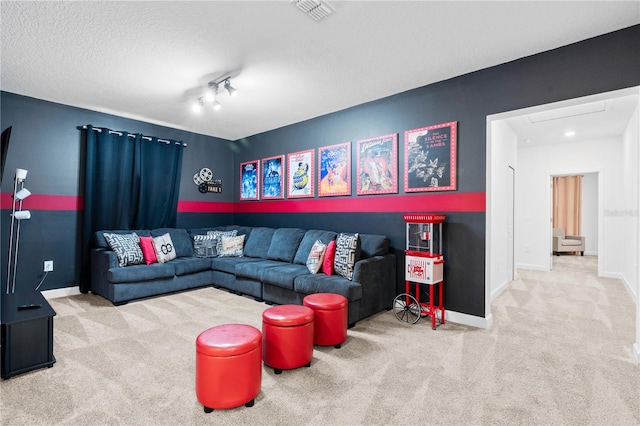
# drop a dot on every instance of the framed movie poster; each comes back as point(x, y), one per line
point(430, 158)
point(377, 165)
point(334, 170)
point(249, 180)
point(273, 177)
point(300, 172)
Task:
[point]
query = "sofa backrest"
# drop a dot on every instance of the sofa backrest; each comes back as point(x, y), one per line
point(182, 242)
point(309, 239)
point(285, 243)
point(258, 242)
point(374, 245)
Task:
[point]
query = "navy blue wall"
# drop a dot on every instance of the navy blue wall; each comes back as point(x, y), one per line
point(46, 141)
point(601, 64)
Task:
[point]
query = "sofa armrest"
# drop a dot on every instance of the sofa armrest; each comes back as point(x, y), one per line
point(556, 243)
point(101, 261)
point(377, 276)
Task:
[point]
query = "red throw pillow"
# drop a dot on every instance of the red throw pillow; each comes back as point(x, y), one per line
point(327, 263)
point(146, 245)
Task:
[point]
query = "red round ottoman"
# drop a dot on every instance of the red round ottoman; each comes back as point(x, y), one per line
point(228, 366)
point(287, 337)
point(330, 316)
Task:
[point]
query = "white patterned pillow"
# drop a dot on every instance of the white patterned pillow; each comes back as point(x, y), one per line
point(165, 251)
point(205, 246)
point(126, 247)
point(232, 246)
point(347, 254)
point(222, 234)
point(316, 255)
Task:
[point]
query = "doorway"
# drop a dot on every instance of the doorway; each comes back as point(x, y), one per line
point(532, 211)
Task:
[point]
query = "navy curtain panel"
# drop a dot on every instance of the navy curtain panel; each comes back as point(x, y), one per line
point(131, 182)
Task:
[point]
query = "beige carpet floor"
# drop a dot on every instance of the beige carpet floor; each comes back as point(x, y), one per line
point(559, 353)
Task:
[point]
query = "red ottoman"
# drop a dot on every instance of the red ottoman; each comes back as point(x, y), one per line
point(330, 316)
point(228, 366)
point(287, 337)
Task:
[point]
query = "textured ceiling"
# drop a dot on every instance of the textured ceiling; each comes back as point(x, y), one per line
point(151, 60)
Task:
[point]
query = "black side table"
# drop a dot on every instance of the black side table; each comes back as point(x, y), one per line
point(27, 333)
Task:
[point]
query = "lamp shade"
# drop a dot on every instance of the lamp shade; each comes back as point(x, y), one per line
point(21, 174)
point(22, 194)
point(22, 215)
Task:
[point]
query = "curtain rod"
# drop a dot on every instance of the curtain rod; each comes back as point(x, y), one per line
point(146, 138)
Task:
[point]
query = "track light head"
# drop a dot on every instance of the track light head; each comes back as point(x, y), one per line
point(232, 90)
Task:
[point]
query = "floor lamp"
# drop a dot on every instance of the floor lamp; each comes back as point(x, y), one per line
point(17, 216)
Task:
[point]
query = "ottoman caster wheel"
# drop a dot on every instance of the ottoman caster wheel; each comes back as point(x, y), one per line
point(338, 346)
point(277, 371)
point(208, 410)
point(250, 403)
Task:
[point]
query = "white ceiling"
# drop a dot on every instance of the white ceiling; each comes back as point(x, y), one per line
point(151, 60)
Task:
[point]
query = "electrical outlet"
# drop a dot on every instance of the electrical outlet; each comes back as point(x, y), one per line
point(48, 265)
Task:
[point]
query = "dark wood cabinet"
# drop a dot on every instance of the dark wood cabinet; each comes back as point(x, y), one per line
point(27, 333)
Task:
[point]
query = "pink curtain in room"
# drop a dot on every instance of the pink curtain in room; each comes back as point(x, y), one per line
point(567, 204)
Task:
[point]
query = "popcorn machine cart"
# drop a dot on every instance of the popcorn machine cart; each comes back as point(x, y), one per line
point(424, 264)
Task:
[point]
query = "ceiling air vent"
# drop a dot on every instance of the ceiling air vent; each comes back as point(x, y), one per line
point(317, 10)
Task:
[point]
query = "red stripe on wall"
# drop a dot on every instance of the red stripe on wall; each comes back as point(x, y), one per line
point(449, 202)
point(205, 207)
point(44, 202)
point(445, 202)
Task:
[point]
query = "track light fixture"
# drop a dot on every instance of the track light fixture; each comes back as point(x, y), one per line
point(211, 96)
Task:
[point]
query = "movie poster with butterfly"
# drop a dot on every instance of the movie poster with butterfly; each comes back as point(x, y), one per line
point(430, 158)
point(300, 169)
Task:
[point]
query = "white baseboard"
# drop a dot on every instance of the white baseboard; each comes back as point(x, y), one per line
point(501, 288)
point(466, 319)
point(61, 292)
point(532, 267)
point(636, 352)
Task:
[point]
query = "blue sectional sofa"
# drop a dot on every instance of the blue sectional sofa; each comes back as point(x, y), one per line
point(272, 269)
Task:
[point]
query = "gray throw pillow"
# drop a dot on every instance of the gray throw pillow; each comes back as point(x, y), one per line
point(126, 247)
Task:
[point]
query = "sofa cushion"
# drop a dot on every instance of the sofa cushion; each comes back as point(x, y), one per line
point(190, 265)
point(284, 244)
point(258, 242)
point(126, 247)
point(347, 254)
point(284, 275)
point(374, 245)
point(316, 256)
point(180, 239)
point(140, 273)
point(321, 283)
point(309, 239)
point(228, 264)
point(255, 270)
point(164, 248)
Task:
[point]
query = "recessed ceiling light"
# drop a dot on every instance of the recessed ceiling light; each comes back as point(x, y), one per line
point(570, 133)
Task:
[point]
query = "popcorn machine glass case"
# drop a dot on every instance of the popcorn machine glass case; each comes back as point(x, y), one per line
point(424, 264)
